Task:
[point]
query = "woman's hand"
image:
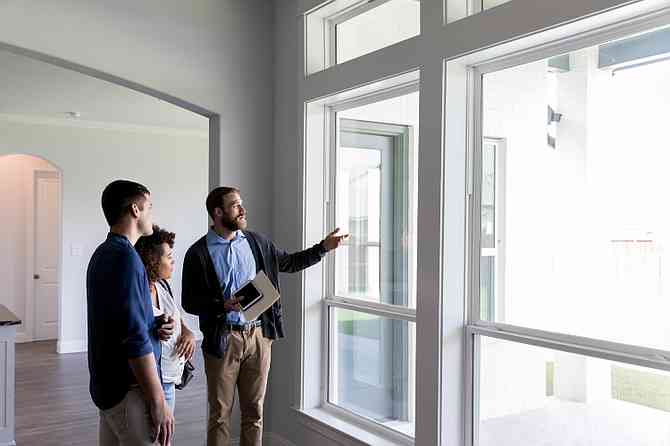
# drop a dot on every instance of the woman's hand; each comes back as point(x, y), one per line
point(186, 343)
point(166, 327)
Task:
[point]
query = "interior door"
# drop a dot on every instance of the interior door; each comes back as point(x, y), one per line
point(47, 241)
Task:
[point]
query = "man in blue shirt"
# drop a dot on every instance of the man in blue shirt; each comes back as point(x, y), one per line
point(123, 344)
point(237, 352)
point(234, 265)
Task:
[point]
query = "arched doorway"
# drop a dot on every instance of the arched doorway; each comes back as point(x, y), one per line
point(31, 200)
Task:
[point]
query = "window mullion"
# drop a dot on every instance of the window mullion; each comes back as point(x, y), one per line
point(385, 310)
point(630, 354)
point(475, 195)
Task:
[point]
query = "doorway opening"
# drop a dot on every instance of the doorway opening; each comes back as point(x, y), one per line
point(30, 193)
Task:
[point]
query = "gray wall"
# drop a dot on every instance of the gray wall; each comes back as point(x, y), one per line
point(287, 221)
point(195, 51)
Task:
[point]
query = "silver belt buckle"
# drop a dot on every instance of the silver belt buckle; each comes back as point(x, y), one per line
point(250, 326)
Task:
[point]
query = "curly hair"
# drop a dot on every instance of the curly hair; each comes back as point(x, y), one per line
point(149, 249)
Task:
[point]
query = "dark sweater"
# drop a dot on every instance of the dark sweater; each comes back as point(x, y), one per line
point(201, 291)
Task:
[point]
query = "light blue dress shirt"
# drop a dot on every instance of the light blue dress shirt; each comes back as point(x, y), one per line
point(234, 264)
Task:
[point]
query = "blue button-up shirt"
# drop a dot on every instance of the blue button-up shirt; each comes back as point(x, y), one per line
point(120, 319)
point(234, 265)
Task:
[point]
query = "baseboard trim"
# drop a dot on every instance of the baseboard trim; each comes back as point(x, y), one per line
point(269, 439)
point(77, 346)
point(22, 337)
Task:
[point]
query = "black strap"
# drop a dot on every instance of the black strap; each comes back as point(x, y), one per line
point(166, 285)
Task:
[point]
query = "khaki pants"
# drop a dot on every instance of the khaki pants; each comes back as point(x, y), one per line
point(128, 423)
point(245, 366)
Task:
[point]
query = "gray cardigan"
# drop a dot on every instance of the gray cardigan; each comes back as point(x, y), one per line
point(201, 290)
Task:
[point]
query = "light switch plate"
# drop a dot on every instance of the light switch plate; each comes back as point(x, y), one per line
point(76, 250)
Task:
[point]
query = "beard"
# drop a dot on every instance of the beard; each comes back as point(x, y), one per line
point(233, 224)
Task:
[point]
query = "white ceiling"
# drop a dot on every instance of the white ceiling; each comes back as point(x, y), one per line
point(35, 89)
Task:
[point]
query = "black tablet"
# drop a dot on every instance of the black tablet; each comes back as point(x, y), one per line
point(248, 295)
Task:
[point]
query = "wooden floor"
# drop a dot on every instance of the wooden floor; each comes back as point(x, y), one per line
point(53, 406)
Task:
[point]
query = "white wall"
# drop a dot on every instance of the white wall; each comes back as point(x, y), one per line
point(16, 202)
point(172, 166)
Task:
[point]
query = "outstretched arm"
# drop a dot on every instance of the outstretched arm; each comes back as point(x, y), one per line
point(297, 261)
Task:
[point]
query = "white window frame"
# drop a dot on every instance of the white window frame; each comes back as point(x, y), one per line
point(498, 252)
point(331, 299)
point(311, 403)
point(476, 327)
point(321, 31)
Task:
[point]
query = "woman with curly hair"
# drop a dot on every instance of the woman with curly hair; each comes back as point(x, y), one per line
point(156, 253)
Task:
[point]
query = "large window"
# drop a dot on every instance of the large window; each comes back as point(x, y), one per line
point(569, 242)
point(371, 297)
point(517, 258)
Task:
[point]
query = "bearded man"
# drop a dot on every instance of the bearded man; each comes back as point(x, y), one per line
point(237, 351)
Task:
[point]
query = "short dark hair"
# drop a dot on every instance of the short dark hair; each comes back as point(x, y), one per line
point(149, 249)
point(215, 198)
point(118, 196)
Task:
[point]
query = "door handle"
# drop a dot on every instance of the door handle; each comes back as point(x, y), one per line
point(36, 276)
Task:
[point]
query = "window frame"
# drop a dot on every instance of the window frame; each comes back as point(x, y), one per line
point(364, 128)
point(402, 137)
point(498, 252)
point(476, 327)
point(403, 140)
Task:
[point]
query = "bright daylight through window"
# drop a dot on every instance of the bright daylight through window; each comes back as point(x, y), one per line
point(573, 238)
point(343, 30)
point(366, 30)
point(372, 297)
